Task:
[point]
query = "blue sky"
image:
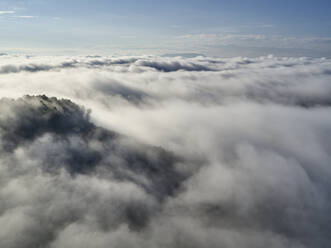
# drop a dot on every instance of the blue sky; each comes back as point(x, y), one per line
point(222, 28)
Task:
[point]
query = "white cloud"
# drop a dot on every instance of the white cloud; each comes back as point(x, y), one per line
point(26, 16)
point(253, 136)
point(4, 12)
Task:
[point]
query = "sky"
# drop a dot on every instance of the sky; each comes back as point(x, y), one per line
point(214, 28)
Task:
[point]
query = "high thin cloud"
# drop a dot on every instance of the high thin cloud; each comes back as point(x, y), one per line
point(165, 152)
point(27, 17)
point(4, 12)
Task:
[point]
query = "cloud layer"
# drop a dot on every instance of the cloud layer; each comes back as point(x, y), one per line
point(165, 152)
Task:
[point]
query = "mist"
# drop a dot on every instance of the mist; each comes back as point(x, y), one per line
point(149, 151)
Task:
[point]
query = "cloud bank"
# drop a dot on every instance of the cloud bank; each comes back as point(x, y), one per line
point(146, 151)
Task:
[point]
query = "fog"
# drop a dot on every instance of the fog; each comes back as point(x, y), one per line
point(147, 151)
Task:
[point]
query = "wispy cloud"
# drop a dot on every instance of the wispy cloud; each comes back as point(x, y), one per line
point(308, 45)
point(26, 16)
point(4, 12)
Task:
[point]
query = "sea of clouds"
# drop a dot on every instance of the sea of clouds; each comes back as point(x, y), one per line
point(148, 151)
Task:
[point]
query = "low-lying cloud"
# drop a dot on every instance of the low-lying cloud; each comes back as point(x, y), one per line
point(148, 151)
